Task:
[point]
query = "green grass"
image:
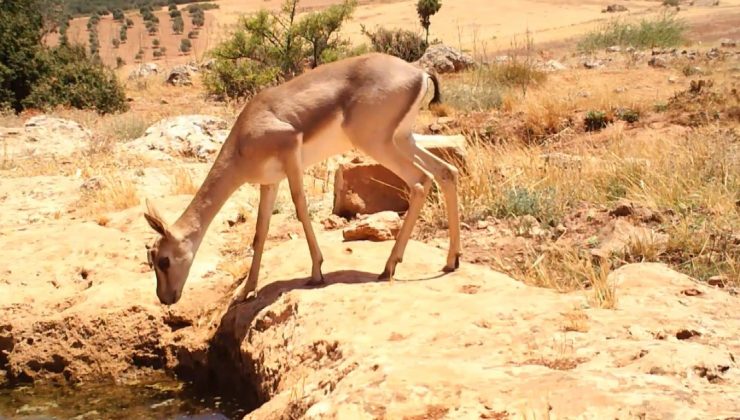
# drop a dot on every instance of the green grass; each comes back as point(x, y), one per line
point(662, 31)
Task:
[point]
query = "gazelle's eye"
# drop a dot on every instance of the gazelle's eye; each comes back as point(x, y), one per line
point(163, 263)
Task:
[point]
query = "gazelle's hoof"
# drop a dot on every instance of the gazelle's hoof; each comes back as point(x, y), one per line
point(455, 266)
point(385, 275)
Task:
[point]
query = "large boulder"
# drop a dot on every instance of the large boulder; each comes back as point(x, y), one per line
point(199, 136)
point(180, 76)
point(363, 186)
point(144, 70)
point(43, 135)
point(444, 59)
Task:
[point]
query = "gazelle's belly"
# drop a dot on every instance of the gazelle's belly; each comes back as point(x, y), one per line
point(329, 141)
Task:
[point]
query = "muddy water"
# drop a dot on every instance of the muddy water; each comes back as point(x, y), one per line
point(163, 399)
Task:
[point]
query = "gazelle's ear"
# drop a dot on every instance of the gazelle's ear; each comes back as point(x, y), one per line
point(154, 219)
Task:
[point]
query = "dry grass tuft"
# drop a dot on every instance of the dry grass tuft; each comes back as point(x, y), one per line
point(116, 192)
point(575, 320)
point(182, 182)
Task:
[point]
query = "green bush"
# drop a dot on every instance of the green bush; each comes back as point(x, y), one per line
point(402, 43)
point(269, 47)
point(118, 15)
point(522, 201)
point(178, 25)
point(663, 31)
point(74, 79)
point(628, 115)
point(185, 45)
point(238, 79)
point(20, 47)
point(596, 120)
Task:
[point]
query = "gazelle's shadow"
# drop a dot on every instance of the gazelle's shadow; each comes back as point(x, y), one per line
point(239, 316)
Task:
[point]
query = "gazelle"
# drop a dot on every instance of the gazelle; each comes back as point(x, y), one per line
point(368, 102)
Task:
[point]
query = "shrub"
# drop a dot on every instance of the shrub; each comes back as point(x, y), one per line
point(178, 25)
point(76, 80)
point(193, 34)
point(20, 45)
point(155, 42)
point(320, 29)
point(116, 42)
point(185, 46)
point(238, 79)
point(662, 31)
point(129, 23)
point(120, 62)
point(522, 201)
point(123, 33)
point(118, 15)
point(628, 115)
point(596, 120)
point(269, 47)
point(401, 43)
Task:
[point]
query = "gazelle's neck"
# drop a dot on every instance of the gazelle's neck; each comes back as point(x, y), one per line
point(218, 186)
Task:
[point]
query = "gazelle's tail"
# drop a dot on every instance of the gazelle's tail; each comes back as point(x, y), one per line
point(437, 98)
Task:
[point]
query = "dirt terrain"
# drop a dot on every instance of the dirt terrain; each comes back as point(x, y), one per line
point(529, 327)
point(483, 26)
point(426, 346)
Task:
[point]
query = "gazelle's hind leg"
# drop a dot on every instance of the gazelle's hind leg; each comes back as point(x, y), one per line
point(446, 176)
point(418, 180)
point(268, 194)
point(294, 171)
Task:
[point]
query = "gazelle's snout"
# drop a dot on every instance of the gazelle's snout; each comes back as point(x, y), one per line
point(169, 297)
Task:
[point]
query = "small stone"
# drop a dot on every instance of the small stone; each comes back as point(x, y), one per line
point(334, 222)
point(658, 62)
point(672, 79)
point(614, 8)
point(614, 49)
point(376, 227)
point(623, 208)
point(717, 281)
point(728, 43)
point(554, 65)
point(593, 64)
point(482, 224)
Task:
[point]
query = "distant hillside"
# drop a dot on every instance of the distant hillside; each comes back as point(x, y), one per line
point(86, 7)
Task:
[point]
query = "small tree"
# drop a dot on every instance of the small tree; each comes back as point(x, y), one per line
point(123, 34)
point(118, 15)
point(426, 9)
point(178, 25)
point(185, 45)
point(318, 29)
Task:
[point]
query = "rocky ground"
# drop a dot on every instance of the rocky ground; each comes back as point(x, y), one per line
point(78, 303)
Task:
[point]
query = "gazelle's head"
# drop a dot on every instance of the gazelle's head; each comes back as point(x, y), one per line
point(170, 256)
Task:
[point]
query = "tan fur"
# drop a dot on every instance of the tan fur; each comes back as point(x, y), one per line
point(369, 102)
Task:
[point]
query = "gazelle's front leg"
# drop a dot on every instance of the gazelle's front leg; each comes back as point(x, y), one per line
point(268, 194)
point(294, 172)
